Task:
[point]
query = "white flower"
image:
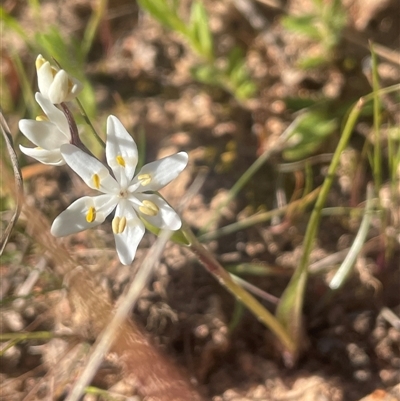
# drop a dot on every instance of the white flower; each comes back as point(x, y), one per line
point(47, 134)
point(56, 85)
point(126, 193)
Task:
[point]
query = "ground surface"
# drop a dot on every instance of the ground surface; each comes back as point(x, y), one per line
point(141, 73)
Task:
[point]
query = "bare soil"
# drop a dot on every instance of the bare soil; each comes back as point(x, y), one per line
point(140, 72)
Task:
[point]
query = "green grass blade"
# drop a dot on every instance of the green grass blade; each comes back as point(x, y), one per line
point(344, 270)
point(244, 179)
point(377, 165)
point(92, 26)
point(289, 311)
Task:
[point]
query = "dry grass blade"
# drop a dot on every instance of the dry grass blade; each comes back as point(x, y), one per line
point(157, 377)
point(18, 182)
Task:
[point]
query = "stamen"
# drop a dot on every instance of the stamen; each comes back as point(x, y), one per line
point(91, 215)
point(149, 208)
point(118, 224)
point(41, 118)
point(120, 160)
point(144, 179)
point(96, 180)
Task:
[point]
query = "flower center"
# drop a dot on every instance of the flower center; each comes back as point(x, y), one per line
point(123, 194)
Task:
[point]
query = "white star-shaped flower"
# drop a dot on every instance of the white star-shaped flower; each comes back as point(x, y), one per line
point(56, 85)
point(47, 133)
point(131, 196)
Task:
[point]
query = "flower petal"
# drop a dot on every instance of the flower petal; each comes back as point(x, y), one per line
point(154, 176)
point(121, 151)
point(52, 157)
point(58, 90)
point(93, 172)
point(43, 134)
point(166, 216)
point(128, 240)
point(76, 89)
point(45, 76)
point(74, 218)
point(55, 115)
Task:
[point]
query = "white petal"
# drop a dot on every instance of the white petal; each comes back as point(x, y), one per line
point(76, 89)
point(45, 78)
point(52, 157)
point(87, 166)
point(166, 216)
point(162, 171)
point(73, 219)
point(120, 144)
point(127, 242)
point(59, 89)
point(43, 134)
point(55, 115)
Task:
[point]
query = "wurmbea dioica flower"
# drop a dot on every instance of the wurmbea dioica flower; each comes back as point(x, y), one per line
point(47, 133)
point(56, 85)
point(131, 196)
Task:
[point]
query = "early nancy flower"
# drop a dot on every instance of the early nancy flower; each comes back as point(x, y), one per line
point(56, 85)
point(131, 196)
point(47, 133)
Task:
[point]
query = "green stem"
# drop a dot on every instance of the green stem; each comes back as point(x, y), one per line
point(224, 278)
point(291, 304)
point(88, 122)
point(377, 122)
point(259, 218)
point(245, 178)
point(344, 270)
point(35, 335)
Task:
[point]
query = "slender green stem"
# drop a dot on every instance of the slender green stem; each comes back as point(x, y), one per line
point(259, 218)
point(34, 335)
point(262, 314)
point(29, 99)
point(291, 304)
point(344, 270)
point(88, 122)
point(326, 186)
point(377, 122)
point(99, 9)
point(244, 179)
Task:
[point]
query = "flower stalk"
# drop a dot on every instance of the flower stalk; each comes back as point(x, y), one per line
point(224, 278)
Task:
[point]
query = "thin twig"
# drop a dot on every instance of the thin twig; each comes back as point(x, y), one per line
point(107, 337)
point(18, 182)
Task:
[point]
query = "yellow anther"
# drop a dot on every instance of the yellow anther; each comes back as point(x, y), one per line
point(120, 160)
point(91, 215)
point(41, 118)
point(145, 179)
point(149, 208)
point(118, 224)
point(96, 180)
